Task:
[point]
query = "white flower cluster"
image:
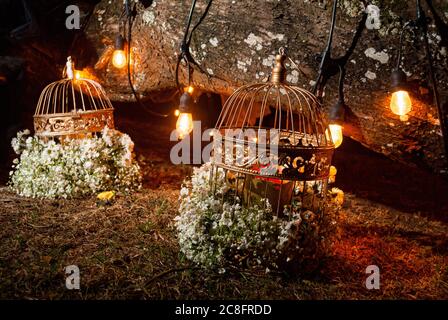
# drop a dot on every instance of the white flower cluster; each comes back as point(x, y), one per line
point(74, 167)
point(214, 229)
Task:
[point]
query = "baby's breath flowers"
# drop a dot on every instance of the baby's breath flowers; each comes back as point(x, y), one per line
point(74, 168)
point(215, 231)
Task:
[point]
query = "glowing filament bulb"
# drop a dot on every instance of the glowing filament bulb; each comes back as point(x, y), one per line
point(336, 134)
point(189, 89)
point(184, 124)
point(119, 59)
point(400, 104)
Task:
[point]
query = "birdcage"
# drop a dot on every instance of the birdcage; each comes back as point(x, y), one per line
point(72, 107)
point(273, 142)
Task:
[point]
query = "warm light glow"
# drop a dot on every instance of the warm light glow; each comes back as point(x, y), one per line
point(184, 124)
point(119, 59)
point(84, 74)
point(401, 104)
point(189, 89)
point(81, 75)
point(176, 112)
point(336, 134)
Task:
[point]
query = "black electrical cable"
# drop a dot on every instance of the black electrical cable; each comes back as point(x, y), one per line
point(204, 14)
point(422, 22)
point(185, 45)
point(341, 84)
point(400, 48)
point(128, 49)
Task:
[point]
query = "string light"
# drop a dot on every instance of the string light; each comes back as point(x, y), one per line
point(119, 56)
point(184, 124)
point(337, 118)
point(400, 102)
point(328, 65)
point(337, 112)
point(336, 134)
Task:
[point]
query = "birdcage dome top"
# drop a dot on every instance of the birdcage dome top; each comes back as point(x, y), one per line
point(255, 114)
point(293, 111)
point(72, 106)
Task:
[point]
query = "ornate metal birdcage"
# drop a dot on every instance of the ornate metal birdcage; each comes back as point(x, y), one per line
point(72, 107)
point(273, 142)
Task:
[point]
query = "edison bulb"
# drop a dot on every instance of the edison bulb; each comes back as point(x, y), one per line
point(336, 134)
point(119, 59)
point(400, 104)
point(184, 124)
point(189, 89)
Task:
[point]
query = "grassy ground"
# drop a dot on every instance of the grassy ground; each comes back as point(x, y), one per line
point(128, 250)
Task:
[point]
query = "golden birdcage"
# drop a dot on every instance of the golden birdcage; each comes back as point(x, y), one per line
point(274, 143)
point(72, 107)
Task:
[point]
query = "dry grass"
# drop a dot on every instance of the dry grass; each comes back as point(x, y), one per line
point(128, 250)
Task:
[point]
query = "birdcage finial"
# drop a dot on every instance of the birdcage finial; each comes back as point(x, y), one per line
point(69, 67)
point(279, 70)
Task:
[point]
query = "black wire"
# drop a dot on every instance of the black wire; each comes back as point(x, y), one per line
point(204, 14)
point(129, 41)
point(185, 45)
point(341, 83)
point(188, 24)
point(400, 48)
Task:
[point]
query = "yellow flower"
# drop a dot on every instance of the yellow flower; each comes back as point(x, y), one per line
point(106, 195)
point(338, 196)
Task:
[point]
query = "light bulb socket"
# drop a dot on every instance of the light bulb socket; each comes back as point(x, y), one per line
point(119, 42)
point(337, 113)
point(185, 103)
point(398, 80)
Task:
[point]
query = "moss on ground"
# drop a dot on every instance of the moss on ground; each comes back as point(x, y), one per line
point(128, 250)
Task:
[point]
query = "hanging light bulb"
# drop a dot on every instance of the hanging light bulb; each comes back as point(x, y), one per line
point(189, 89)
point(337, 117)
point(400, 103)
point(184, 124)
point(336, 134)
point(119, 56)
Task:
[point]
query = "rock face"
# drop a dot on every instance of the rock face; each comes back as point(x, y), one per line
point(237, 42)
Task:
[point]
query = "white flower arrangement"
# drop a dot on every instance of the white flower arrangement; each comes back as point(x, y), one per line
point(214, 230)
point(74, 167)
